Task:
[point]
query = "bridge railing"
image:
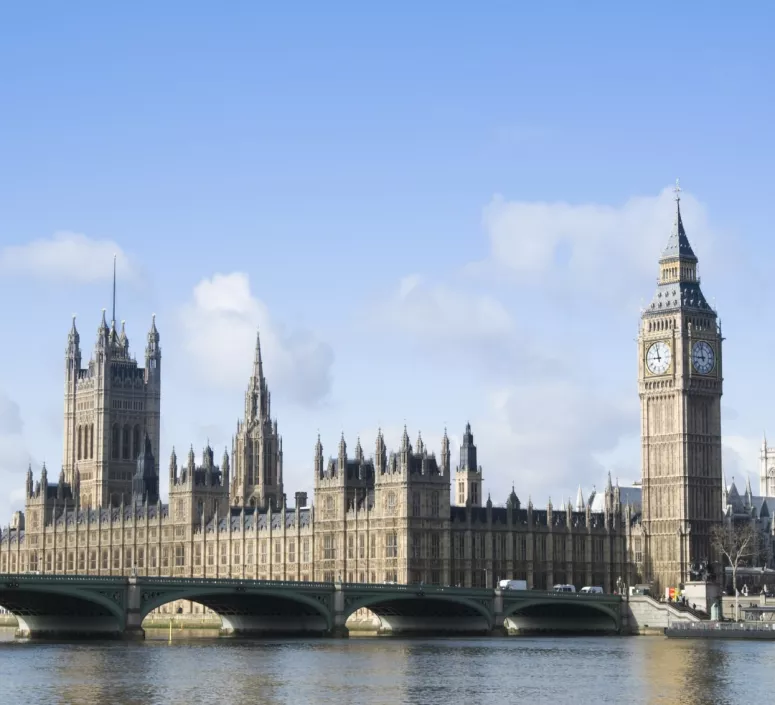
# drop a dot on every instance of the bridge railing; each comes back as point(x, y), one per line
point(55, 578)
point(556, 595)
point(418, 587)
point(229, 582)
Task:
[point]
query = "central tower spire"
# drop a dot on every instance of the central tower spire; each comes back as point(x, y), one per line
point(114, 291)
point(257, 448)
point(258, 363)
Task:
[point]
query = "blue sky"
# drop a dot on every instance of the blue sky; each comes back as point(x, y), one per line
point(436, 215)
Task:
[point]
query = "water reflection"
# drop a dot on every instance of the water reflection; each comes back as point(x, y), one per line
point(637, 671)
point(695, 672)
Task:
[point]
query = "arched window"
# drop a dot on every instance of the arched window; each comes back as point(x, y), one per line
point(125, 443)
point(115, 441)
point(79, 435)
point(390, 503)
point(91, 440)
point(136, 450)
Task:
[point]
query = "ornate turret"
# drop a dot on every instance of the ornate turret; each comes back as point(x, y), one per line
point(468, 475)
point(102, 333)
point(609, 493)
point(30, 486)
point(123, 340)
point(191, 466)
point(445, 454)
point(380, 453)
point(342, 457)
point(225, 468)
point(44, 480)
point(73, 352)
point(208, 463)
point(319, 461)
point(152, 346)
point(153, 353)
point(173, 468)
point(513, 501)
point(420, 450)
point(358, 450)
point(580, 504)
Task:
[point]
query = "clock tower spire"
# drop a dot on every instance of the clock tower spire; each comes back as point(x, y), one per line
point(680, 387)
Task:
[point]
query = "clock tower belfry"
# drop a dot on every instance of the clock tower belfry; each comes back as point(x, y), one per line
point(680, 387)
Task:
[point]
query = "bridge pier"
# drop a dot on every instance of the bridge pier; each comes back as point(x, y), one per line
point(56, 628)
point(261, 626)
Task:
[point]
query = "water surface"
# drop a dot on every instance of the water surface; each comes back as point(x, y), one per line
point(371, 671)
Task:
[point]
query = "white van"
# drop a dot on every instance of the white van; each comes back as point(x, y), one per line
point(513, 584)
point(564, 588)
point(592, 590)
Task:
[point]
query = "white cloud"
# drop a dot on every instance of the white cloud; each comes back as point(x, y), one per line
point(548, 436)
point(10, 416)
point(440, 312)
point(13, 457)
point(67, 256)
point(740, 456)
point(600, 251)
point(220, 326)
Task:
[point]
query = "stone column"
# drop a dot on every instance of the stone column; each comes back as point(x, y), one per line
point(338, 623)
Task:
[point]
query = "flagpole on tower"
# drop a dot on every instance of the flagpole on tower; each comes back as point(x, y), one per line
point(114, 291)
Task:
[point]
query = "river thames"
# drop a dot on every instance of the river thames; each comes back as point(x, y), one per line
point(632, 670)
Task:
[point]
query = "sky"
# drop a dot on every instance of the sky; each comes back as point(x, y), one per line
point(435, 213)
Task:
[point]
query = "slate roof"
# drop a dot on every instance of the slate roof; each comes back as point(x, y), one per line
point(678, 244)
point(682, 294)
point(678, 295)
point(627, 495)
point(9, 534)
point(106, 514)
point(251, 515)
point(540, 517)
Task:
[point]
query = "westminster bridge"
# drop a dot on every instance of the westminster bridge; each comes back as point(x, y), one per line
point(72, 606)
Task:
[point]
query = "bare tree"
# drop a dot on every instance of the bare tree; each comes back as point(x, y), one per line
point(739, 545)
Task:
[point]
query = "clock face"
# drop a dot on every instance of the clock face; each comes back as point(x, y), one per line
point(658, 358)
point(703, 357)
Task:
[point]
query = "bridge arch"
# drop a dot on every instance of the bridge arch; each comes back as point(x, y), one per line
point(420, 611)
point(252, 611)
point(71, 610)
point(567, 613)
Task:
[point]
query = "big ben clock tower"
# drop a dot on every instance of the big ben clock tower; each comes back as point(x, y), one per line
point(680, 386)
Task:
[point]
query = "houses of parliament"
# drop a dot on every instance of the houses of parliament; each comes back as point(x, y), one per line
point(383, 516)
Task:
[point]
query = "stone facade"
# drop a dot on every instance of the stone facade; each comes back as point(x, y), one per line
point(109, 406)
point(385, 518)
point(680, 387)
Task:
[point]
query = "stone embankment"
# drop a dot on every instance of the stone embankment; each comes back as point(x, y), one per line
point(645, 615)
